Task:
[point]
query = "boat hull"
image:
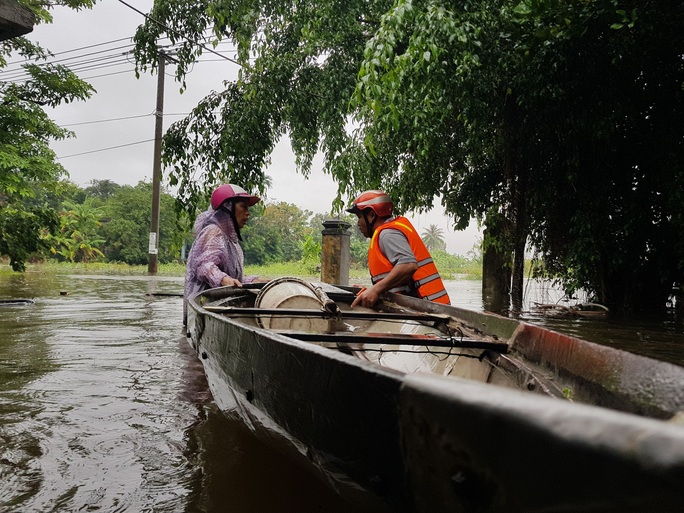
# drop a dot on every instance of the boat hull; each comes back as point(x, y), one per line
point(327, 409)
point(473, 447)
point(413, 441)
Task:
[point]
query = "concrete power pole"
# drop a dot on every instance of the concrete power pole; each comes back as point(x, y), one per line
point(156, 169)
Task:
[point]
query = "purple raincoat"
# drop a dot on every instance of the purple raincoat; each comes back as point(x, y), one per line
point(216, 253)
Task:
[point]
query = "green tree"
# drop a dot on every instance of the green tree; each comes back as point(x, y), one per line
point(613, 153)
point(23, 232)
point(433, 237)
point(27, 164)
point(126, 231)
point(541, 117)
point(311, 254)
point(78, 240)
point(261, 239)
point(553, 122)
point(298, 61)
point(276, 232)
point(102, 189)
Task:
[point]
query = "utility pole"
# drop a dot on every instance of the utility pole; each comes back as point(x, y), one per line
point(156, 169)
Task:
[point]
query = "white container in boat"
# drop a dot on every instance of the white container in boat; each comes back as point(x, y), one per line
point(291, 293)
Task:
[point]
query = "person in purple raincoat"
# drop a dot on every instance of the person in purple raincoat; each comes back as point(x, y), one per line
point(216, 258)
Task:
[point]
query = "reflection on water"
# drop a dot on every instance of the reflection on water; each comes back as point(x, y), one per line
point(104, 407)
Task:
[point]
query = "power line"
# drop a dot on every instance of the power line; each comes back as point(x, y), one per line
point(108, 74)
point(122, 119)
point(96, 60)
point(104, 149)
point(169, 29)
point(73, 50)
point(84, 65)
point(108, 120)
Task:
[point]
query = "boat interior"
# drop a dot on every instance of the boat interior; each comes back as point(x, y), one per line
point(389, 335)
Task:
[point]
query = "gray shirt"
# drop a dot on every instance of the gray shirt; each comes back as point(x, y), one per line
point(395, 246)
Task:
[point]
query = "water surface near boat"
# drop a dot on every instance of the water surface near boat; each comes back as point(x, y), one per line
point(103, 406)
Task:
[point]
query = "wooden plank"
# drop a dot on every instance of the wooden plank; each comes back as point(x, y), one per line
point(309, 312)
point(401, 339)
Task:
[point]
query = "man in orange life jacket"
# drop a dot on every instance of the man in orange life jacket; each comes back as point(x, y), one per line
point(398, 260)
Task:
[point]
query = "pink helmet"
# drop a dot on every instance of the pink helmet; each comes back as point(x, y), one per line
point(230, 191)
point(378, 201)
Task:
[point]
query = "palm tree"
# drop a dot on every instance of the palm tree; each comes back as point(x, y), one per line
point(433, 237)
point(78, 238)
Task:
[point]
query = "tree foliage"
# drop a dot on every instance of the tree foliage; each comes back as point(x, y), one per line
point(126, 229)
point(22, 233)
point(276, 233)
point(110, 222)
point(103, 189)
point(77, 240)
point(298, 63)
point(557, 123)
point(433, 237)
point(27, 164)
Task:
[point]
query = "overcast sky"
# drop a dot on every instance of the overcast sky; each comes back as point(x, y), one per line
point(115, 128)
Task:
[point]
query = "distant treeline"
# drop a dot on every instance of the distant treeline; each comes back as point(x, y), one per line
point(108, 222)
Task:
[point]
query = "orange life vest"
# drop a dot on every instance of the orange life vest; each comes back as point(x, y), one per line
point(426, 279)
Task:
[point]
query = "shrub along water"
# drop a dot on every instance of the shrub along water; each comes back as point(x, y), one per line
point(450, 266)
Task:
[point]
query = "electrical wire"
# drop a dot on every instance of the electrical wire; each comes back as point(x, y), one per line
point(19, 75)
point(107, 74)
point(15, 71)
point(101, 59)
point(108, 120)
point(122, 119)
point(105, 149)
point(19, 63)
point(169, 29)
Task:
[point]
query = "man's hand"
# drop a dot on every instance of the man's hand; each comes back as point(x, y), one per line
point(399, 275)
point(366, 297)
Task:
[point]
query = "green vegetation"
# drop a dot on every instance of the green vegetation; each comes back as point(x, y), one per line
point(455, 266)
point(466, 270)
point(29, 173)
point(557, 124)
point(106, 268)
point(104, 227)
point(433, 237)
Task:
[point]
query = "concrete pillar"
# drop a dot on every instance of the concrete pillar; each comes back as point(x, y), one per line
point(335, 252)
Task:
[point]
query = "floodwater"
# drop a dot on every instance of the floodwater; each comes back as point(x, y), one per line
point(656, 335)
point(104, 407)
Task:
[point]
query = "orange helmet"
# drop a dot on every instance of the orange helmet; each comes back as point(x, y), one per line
point(376, 200)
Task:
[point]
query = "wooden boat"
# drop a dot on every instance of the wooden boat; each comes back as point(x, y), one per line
point(16, 302)
point(417, 406)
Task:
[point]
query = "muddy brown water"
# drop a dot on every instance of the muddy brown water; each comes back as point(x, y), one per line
point(104, 407)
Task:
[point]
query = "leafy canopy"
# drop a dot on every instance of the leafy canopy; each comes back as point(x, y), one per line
point(27, 164)
point(557, 123)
